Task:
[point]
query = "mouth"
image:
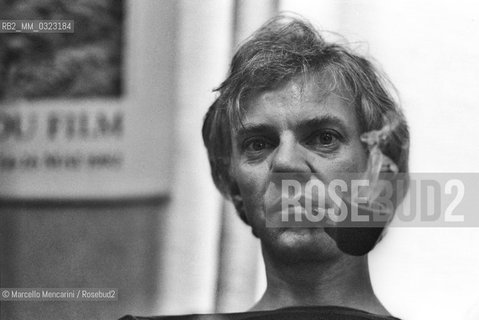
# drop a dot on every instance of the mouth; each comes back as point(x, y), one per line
point(304, 203)
point(303, 212)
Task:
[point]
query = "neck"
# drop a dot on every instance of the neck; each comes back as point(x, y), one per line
point(343, 282)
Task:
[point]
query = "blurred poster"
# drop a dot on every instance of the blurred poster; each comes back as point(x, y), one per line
point(87, 63)
point(80, 116)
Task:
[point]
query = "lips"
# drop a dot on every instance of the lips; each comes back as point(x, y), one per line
point(300, 208)
point(288, 202)
point(302, 212)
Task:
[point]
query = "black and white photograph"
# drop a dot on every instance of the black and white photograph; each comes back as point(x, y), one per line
point(239, 159)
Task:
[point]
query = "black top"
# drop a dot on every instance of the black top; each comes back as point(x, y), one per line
point(295, 313)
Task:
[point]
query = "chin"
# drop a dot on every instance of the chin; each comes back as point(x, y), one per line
point(295, 245)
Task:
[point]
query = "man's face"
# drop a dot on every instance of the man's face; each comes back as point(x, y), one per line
point(294, 129)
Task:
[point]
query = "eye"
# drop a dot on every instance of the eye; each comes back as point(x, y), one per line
point(256, 144)
point(324, 139)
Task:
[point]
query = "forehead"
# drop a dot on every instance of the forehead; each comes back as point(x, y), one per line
point(297, 101)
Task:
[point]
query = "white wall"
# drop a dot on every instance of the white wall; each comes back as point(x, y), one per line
point(430, 51)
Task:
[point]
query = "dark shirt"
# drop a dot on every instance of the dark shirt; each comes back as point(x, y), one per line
point(296, 313)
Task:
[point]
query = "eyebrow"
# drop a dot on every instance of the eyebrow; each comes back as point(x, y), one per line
point(322, 121)
point(252, 128)
point(307, 124)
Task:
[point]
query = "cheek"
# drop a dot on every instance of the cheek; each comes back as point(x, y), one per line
point(348, 164)
point(362, 159)
point(353, 159)
point(356, 158)
point(252, 182)
point(353, 164)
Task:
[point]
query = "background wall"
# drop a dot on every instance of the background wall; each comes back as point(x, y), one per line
point(427, 50)
point(78, 226)
point(174, 246)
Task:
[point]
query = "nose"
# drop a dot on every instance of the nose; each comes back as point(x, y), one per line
point(288, 156)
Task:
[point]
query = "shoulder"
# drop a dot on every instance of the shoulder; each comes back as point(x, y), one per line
point(296, 313)
point(218, 316)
